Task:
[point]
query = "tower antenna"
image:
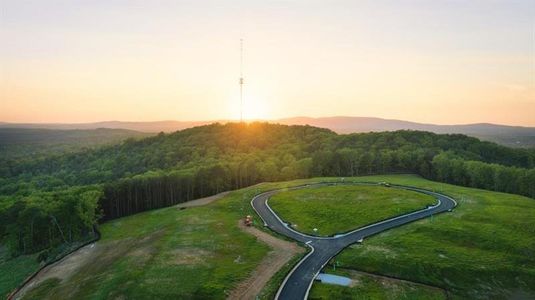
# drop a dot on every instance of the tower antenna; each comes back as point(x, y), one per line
point(241, 80)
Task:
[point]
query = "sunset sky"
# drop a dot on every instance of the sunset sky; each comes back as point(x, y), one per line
point(440, 62)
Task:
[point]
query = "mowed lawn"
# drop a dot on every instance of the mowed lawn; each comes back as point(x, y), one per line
point(484, 249)
point(341, 208)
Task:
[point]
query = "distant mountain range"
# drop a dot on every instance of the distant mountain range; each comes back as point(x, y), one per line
point(514, 136)
point(157, 126)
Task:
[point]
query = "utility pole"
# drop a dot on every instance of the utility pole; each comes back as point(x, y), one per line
point(241, 80)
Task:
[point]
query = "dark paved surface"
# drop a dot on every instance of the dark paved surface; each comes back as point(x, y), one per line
point(298, 282)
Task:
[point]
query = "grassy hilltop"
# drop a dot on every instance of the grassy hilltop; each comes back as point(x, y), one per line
point(338, 209)
point(484, 249)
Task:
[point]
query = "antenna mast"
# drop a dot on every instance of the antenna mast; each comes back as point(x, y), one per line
point(241, 80)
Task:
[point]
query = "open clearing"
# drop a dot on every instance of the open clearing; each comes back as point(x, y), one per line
point(168, 253)
point(71, 264)
point(484, 249)
point(339, 209)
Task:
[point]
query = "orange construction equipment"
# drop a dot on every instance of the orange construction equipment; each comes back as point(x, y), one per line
point(248, 221)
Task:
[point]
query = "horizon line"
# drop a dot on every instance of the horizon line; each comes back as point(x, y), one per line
point(261, 120)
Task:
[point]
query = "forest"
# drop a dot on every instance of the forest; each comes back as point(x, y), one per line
point(21, 142)
point(56, 199)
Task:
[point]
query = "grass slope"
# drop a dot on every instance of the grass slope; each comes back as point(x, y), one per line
point(338, 209)
point(195, 253)
point(14, 270)
point(167, 253)
point(484, 249)
point(370, 287)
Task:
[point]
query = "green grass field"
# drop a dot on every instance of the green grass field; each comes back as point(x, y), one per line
point(484, 249)
point(167, 253)
point(197, 253)
point(338, 209)
point(14, 270)
point(372, 287)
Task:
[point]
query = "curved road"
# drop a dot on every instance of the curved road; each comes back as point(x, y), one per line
point(298, 282)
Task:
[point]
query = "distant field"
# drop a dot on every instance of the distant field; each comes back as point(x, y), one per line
point(339, 209)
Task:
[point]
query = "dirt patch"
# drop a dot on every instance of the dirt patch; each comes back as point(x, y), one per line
point(140, 256)
point(282, 252)
point(64, 268)
point(189, 256)
point(92, 259)
point(196, 220)
point(202, 201)
point(388, 253)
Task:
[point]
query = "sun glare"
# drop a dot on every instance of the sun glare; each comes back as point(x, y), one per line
point(254, 108)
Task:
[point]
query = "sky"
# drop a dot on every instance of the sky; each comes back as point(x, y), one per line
point(442, 62)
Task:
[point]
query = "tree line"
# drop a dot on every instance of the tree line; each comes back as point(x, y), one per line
point(46, 220)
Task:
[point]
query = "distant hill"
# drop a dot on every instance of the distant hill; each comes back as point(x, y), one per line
point(19, 142)
point(156, 126)
point(512, 136)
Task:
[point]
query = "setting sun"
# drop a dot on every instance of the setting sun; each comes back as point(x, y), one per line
point(254, 108)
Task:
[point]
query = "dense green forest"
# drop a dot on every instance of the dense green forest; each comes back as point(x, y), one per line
point(51, 200)
point(38, 142)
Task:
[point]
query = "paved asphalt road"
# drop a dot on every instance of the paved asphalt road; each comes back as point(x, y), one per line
point(298, 282)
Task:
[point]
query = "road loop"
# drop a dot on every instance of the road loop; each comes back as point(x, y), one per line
point(298, 282)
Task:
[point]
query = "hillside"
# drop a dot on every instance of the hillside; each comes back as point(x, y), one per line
point(246, 153)
point(482, 250)
point(153, 127)
point(201, 252)
point(512, 136)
